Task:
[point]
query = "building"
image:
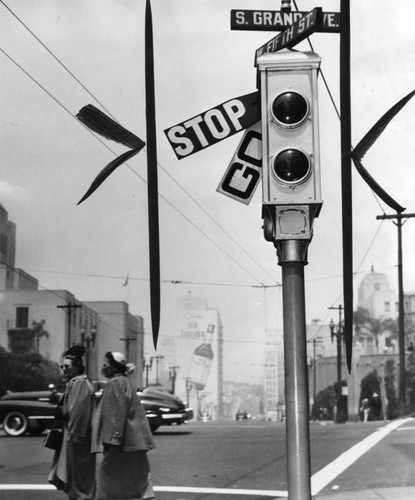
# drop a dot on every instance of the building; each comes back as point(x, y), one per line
point(375, 295)
point(274, 395)
point(189, 358)
point(48, 322)
point(121, 331)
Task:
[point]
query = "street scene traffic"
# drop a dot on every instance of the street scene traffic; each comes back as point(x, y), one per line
point(206, 284)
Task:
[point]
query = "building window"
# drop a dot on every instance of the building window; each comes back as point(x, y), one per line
point(387, 307)
point(22, 317)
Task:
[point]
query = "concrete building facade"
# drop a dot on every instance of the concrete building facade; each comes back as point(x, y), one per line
point(48, 322)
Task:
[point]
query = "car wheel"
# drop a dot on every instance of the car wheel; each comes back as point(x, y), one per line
point(15, 424)
point(154, 427)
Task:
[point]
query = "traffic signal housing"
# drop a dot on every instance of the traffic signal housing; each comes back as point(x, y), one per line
point(290, 131)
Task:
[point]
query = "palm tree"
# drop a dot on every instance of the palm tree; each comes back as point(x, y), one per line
point(376, 326)
point(39, 332)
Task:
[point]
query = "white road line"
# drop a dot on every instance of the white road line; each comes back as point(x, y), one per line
point(323, 477)
point(223, 491)
point(318, 481)
point(168, 489)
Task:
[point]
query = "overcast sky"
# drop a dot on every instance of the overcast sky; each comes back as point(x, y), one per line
point(48, 159)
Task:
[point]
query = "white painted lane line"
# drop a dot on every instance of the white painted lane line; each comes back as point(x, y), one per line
point(326, 475)
point(5, 487)
point(223, 491)
point(319, 480)
point(169, 489)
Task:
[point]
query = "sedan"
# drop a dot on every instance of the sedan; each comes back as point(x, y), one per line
point(33, 412)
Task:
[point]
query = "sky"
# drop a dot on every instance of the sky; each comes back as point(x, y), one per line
point(211, 244)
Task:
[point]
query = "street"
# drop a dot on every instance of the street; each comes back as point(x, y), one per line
point(237, 460)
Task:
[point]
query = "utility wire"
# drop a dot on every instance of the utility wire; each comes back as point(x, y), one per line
point(138, 175)
point(161, 167)
point(55, 294)
point(56, 59)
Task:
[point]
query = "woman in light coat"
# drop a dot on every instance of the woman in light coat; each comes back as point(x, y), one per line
point(122, 432)
point(73, 468)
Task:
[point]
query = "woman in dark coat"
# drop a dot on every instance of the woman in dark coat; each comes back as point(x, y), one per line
point(73, 468)
point(122, 432)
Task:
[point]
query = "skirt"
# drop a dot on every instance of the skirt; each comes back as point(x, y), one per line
point(124, 475)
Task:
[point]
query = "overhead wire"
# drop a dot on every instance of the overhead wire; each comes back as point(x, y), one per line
point(58, 60)
point(136, 173)
point(56, 294)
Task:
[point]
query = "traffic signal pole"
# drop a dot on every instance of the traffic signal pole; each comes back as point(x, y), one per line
point(292, 258)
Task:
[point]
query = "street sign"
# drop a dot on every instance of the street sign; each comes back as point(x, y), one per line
point(272, 20)
point(214, 125)
point(245, 169)
point(297, 32)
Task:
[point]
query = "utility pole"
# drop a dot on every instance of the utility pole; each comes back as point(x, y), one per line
point(340, 417)
point(157, 358)
point(70, 307)
point(128, 341)
point(401, 328)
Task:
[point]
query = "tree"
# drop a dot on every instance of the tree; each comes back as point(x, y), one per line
point(363, 319)
point(27, 372)
point(369, 386)
point(326, 400)
point(39, 332)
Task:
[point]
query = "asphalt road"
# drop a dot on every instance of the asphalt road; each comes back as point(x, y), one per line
point(246, 458)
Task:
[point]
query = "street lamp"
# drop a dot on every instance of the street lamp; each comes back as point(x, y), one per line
point(340, 417)
point(147, 367)
point(173, 376)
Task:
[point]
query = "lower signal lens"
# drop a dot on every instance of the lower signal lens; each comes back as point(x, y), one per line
point(292, 166)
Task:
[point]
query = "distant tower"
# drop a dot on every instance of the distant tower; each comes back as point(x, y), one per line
point(375, 295)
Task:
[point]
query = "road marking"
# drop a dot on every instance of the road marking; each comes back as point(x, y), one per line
point(318, 481)
point(169, 489)
point(326, 475)
point(223, 491)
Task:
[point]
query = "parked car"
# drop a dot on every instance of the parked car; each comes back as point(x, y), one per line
point(33, 412)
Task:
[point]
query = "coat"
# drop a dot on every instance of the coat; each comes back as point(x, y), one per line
point(119, 418)
point(73, 467)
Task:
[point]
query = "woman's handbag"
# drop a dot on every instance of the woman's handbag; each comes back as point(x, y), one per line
point(53, 439)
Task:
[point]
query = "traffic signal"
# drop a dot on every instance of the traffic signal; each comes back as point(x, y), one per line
point(290, 132)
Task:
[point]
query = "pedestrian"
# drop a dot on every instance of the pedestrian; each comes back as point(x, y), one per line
point(375, 406)
point(121, 431)
point(365, 409)
point(73, 467)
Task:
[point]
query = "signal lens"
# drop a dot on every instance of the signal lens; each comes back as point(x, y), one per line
point(290, 109)
point(291, 166)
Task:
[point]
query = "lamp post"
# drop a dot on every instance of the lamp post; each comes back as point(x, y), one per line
point(173, 376)
point(88, 341)
point(340, 417)
point(157, 358)
point(147, 367)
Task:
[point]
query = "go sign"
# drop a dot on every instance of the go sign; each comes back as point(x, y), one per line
point(245, 169)
point(214, 125)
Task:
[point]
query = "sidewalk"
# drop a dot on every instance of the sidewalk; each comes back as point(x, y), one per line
point(401, 493)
